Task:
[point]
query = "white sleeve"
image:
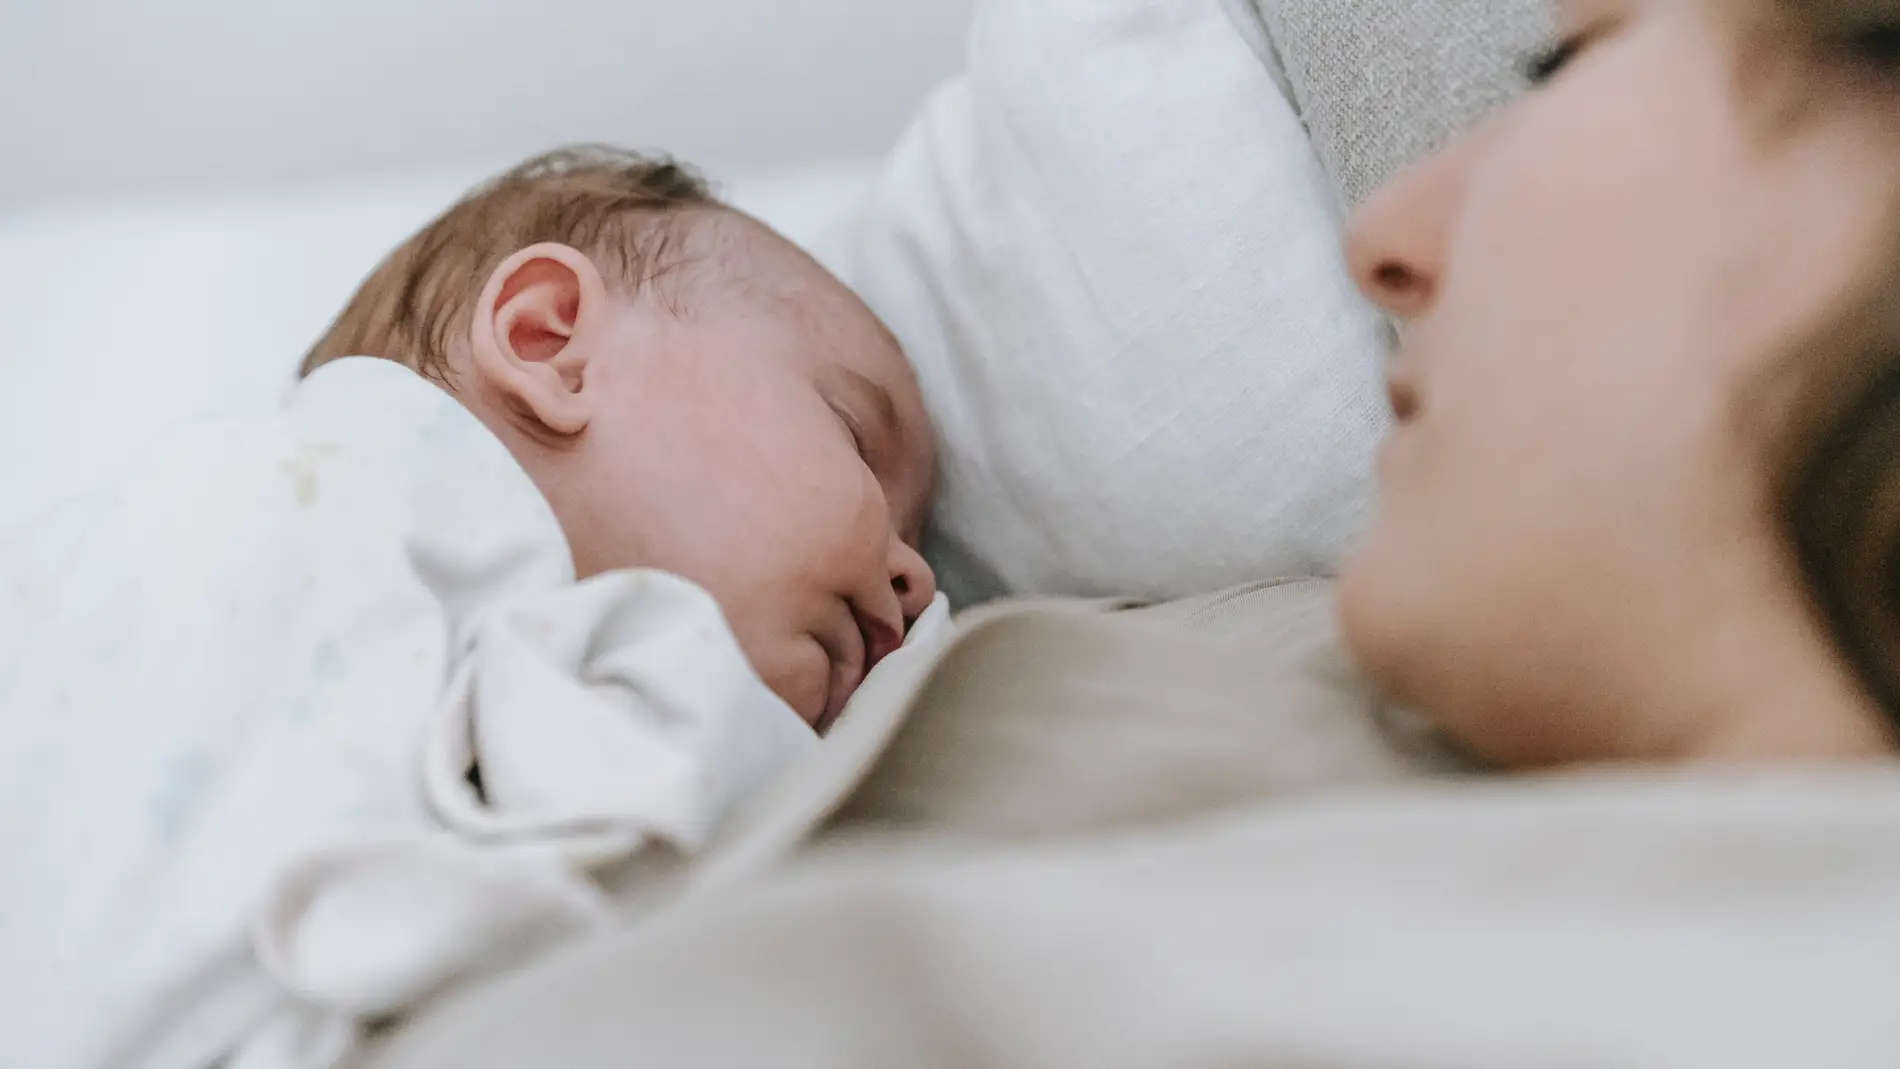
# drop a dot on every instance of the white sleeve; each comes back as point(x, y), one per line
point(225, 668)
point(236, 732)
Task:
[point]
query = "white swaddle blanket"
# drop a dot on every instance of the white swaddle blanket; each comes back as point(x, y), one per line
point(241, 697)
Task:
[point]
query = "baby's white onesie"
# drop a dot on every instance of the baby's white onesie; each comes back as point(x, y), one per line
point(241, 697)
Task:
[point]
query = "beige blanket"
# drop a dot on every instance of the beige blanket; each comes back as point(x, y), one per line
point(1088, 836)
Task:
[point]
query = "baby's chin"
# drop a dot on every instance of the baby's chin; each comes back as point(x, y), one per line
point(802, 686)
point(808, 701)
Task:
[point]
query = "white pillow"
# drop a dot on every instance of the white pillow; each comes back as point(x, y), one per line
point(1116, 263)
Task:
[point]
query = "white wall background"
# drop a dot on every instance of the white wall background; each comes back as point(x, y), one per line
point(109, 96)
point(190, 189)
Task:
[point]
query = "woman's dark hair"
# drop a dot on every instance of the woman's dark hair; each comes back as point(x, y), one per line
point(1838, 495)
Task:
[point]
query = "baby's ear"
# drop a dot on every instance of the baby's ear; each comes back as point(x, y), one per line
point(529, 338)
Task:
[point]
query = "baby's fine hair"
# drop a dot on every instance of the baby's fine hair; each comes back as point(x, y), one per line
point(629, 212)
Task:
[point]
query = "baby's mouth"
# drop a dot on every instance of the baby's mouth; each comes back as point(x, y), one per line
point(880, 638)
point(871, 638)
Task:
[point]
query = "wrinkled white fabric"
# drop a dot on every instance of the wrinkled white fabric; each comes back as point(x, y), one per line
point(1115, 262)
point(241, 697)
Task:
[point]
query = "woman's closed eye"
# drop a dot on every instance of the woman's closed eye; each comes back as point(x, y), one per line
point(1878, 47)
point(1544, 65)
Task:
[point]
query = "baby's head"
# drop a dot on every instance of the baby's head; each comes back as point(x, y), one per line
point(689, 390)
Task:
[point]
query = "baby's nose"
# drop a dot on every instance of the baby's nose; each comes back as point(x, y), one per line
point(912, 579)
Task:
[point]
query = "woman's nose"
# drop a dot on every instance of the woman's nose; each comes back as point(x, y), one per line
point(911, 579)
point(1395, 244)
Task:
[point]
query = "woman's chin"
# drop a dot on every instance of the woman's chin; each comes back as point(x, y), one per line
point(1376, 620)
point(1355, 599)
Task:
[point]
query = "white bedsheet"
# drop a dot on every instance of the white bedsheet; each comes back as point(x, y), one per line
point(126, 316)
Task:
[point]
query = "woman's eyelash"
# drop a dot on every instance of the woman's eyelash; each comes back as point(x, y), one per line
point(1879, 45)
point(1541, 66)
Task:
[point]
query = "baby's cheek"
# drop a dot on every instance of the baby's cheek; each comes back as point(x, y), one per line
point(872, 519)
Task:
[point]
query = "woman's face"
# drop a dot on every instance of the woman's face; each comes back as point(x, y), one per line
point(1575, 558)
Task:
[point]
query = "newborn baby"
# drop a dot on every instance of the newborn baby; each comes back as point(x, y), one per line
point(689, 390)
point(593, 508)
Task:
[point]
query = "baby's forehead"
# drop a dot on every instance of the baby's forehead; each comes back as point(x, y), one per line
point(742, 260)
point(748, 262)
point(740, 252)
point(854, 357)
point(740, 268)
